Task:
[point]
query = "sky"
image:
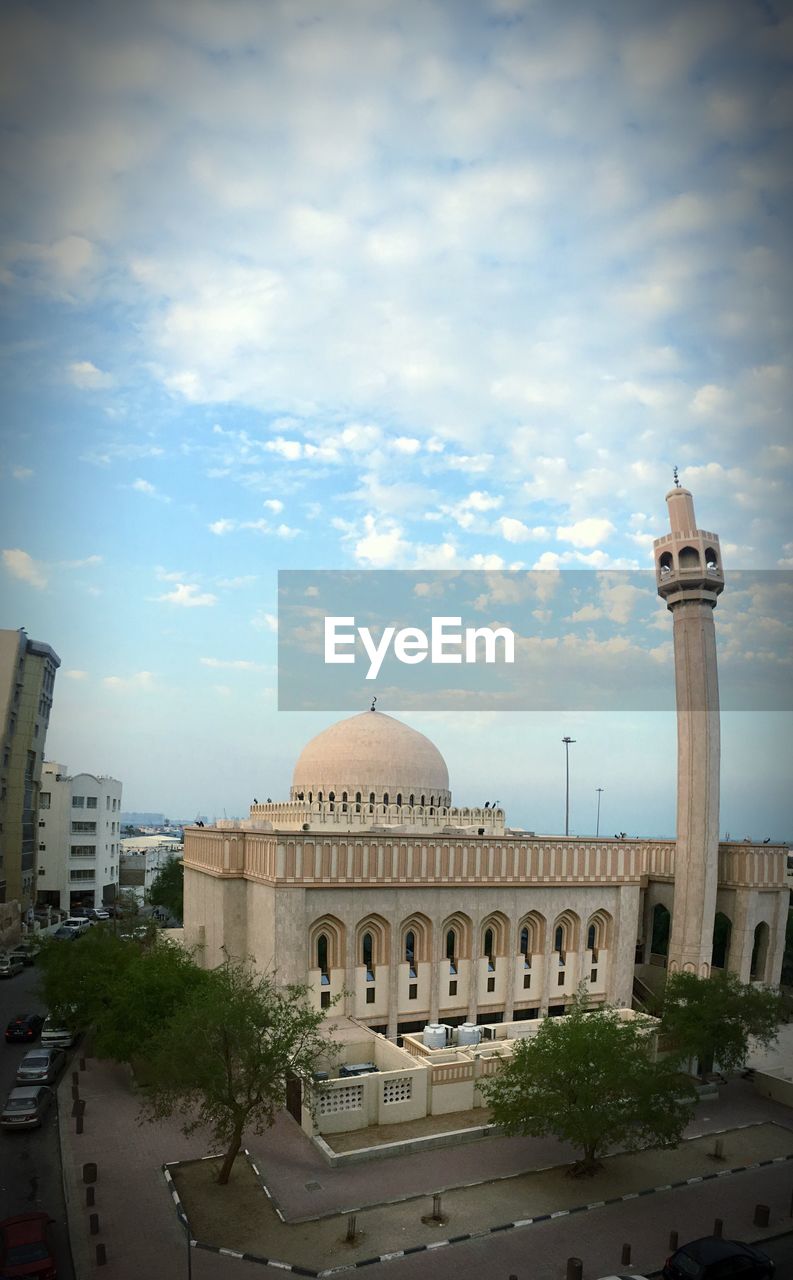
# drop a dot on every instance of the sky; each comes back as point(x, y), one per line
point(438, 285)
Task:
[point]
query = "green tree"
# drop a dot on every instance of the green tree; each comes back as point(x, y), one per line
point(167, 888)
point(228, 1053)
point(712, 1019)
point(589, 1078)
point(124, 990)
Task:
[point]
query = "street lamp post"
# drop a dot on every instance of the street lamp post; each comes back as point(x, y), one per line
point(567, 742)
point(597, 827)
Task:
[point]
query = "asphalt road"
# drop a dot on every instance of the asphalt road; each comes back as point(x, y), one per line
point(30, 1162)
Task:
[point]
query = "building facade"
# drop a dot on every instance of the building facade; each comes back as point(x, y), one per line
point(27, 680)
point(78, 839)
point(399, 909)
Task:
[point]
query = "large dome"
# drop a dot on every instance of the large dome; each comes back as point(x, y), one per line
point(372, 754)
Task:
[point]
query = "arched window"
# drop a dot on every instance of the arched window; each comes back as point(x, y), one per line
point(385, 797)
point(399, 797)
point(344, 795)
point(591, 938)
point(322, 958)
point(423, 800)
point(319, 796)
point(451, 950)
point(757, 969)
point(357, 797)
point(371, 797)
point(310, 797)
point(659, 946)
point(410, 951)
point(412, 800)
point(366, 955)
point(722, 930)
point(489, 949)
point(688, 558)
point(524, 940)
point(331, 795)
point(558, 943)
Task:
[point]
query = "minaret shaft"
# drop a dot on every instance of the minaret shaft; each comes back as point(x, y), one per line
point(690, 579)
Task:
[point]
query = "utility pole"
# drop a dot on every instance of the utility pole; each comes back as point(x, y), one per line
point(567, 742)
point(597, 828)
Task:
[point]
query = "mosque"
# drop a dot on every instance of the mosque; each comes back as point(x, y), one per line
point(369, 884)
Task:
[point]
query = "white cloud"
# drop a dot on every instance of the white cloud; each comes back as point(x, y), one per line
point(513, 530)
point(150, 490)
point(141, 680)
point(264, 621)
point(219, 527)
point(586, 533)
point(74, 674)
point(189, 596)
point(405, 444)
point(274, 504)
point(85, 375)
point(90, 562)
point(233, 664)
point(383, 547)
point(22, 566)
point(22, 473)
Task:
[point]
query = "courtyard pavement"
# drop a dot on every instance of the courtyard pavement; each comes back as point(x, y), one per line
point(141, 1234)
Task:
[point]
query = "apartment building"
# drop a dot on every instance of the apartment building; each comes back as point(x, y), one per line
point(79, 838)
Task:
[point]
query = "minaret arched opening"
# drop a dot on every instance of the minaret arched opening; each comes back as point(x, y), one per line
point(662, 921)
point(757, 969)
point(722, 935)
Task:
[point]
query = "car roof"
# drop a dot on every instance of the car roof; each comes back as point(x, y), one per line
point(45, 1051)
point(22, 1017)
point(26, 1091)
point(713, 1248)
point(25, 1227)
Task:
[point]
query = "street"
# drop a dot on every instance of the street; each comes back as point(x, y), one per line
point(30, 1162)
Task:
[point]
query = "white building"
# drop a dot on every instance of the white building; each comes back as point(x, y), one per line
point(78, 838)
point(142, 859)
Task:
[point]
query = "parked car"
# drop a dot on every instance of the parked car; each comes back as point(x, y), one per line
point(712, 1258)
point(24, 1028)
point(80, 923)
point(41, 1066)
point(26, 1106)
point(98, 913)
point(10, 966)
point(55, 1035)
point(26, 952)
point(26, 1247)
point(66, 934)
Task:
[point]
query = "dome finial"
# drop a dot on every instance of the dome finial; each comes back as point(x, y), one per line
point(374, 700)
point(676, 475)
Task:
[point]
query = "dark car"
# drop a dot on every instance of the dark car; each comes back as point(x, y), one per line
point(66, 934)
point(24, 1028)
point(711, 1258)
point(26, 1247)
point(26, 952)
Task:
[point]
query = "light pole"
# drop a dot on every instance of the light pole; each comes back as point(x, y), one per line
point(597, 828)
point(567, 742)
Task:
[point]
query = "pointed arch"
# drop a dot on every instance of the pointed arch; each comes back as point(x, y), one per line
point(494, 935)
point(759, 962)
point(564, 935)
point(722, 937)
point(531, 934)
point(375, 951)
point(332, 930)
point(456, 934)
point(599, 932)
point(420, 927)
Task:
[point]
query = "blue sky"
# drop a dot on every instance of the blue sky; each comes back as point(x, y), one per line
point(382, 285)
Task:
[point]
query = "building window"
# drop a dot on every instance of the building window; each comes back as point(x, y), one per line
point(42, 823)
point(324, 999)
point(366, 949)
point(42, 848)
point(591, 938)
point(560, 980)
point(593, 976)
point(526, 981)
point(413, 991)
point(451, 950)
point(558, 944)
point(370, 995)
point(87, 874)
point(82, 851)
point(322, 959)
point(410, 951)
point(90, 802)
point(85, 827)
point(452, 988)
point(489, 949)
point(491, 984)
point(78, 802)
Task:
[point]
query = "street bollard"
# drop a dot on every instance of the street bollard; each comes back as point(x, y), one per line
point(673, 1238)
point(75, 1090)
point(718, 1149)
point(89, 1196)
point(352, 1229)
point(437, 1209)
point(78, 1124)
point(575, 1269)
point(82, 1064)
point(718, 1228)
point(101, 1255)
point(75, 1077)
point(90, 1171)
point(625, 1260)
point(76, 1111)
point(93, 1224)
point(761, 1215)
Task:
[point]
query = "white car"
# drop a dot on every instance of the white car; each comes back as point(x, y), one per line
point(77, 922)
point(55, 1035)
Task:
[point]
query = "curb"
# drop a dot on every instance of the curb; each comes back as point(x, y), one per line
point(458, 1239)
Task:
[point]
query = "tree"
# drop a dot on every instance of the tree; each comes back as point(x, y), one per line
point(124, 990)
point(712, 1019)
point(167, 888)
point(228, 1052)
point(590, 1079)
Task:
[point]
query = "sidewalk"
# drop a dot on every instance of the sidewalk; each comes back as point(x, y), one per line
point(142, 1235)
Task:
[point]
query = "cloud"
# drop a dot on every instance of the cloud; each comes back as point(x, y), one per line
point(405, 444)
point(189, 596)
point(22, 566)
point(513, 530)
point(90, 562)
point(150, 490)
point(274, 504)
point(85, 375)
point(586, 533)
point(22, 473)
point(141, 680)
point(74, 674)
point(225, 525)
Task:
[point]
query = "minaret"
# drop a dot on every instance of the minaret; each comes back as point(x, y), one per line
point(689, 576)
